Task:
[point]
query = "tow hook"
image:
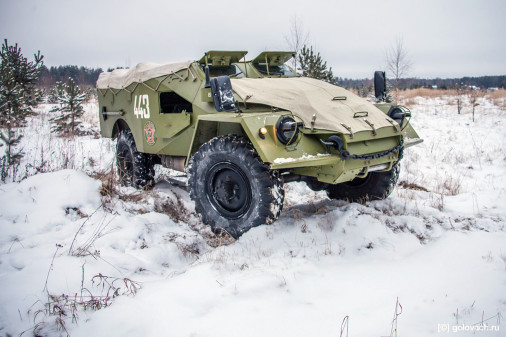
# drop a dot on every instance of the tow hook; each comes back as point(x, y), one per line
point(338, 143)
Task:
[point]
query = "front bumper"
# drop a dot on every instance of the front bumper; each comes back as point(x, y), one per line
point(331, 168)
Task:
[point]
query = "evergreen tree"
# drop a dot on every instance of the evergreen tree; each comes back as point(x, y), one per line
point(70, 106)
point(312, 65)
point(17, 98)
point(54, 93)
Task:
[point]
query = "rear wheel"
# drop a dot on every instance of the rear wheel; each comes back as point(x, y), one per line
point(232, 188)
point(134, 168)
point(375, 186)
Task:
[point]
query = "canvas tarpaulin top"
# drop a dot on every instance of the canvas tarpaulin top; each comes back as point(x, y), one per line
point(122, 78)
point(336, 109)
point(332, 105)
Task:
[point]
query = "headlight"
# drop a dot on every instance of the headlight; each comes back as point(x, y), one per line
point(287, 130)
point(399, 114)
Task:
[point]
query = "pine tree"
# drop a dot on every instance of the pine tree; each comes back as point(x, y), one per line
point(312, 65)
point(55, 92)
point(70, 106)
point(17, 97)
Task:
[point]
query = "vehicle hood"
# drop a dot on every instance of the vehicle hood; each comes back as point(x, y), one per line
point(306, 97)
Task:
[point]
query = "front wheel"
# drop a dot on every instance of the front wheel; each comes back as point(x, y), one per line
point(232, 188)
point(375, 186)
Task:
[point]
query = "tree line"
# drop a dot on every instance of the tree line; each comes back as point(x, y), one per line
point(87, 77)
point(83, 76)
point(482, 82)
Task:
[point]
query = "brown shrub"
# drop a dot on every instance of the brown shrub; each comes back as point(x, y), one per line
point(412, 186)
point(424, 92)
point(174, 209)
point(497, 94)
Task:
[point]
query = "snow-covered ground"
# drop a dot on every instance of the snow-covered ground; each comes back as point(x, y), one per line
point(433, 255)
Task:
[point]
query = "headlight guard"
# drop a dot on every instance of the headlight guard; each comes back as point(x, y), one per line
point(287, 130)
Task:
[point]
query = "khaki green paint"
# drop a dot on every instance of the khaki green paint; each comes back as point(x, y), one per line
point(173, 145)
point(407, 130)
point(206, 95)
point(249, 70)
point(181, 134)
point(274, 58)
point(222, 57)
point(385, 107)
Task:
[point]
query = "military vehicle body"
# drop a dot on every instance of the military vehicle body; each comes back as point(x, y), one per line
point(268, 64)
point(240, 139)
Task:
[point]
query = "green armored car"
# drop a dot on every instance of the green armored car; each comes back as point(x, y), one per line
point(241, 129)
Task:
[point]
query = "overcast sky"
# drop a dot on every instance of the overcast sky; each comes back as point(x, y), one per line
point(444, 38)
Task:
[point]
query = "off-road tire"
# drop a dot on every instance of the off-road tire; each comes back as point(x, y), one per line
point(134, 168)
point(232, 188)
point(375, 186)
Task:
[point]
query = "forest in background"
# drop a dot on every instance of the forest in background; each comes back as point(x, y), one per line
point(481, 82)
point(87, 77)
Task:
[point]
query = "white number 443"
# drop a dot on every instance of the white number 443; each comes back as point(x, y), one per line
point(141, 106)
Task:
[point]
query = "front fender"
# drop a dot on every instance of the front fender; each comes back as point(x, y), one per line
point(269, 148)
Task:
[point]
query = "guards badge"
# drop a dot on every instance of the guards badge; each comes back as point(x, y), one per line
point(150, 133)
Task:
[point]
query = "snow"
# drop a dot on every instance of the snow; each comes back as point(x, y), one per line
point(303, 157)
point(437, 244)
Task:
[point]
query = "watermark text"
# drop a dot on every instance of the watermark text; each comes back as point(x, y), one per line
point(447, 328)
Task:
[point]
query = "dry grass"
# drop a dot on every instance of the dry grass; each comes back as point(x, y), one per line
point(409, 94)
point(67, 307)
point(218, 239)
point(449, 185)
point(497, 94)
point(110, 188)
point(108, 179)
point(453, 97)
point(412, 186)
point(320, 207)
point(85, 248)
point(175, 209)
point(408, 102)
point(437, 201)
point(498, 97)
point(424, 92)
point(189, 248)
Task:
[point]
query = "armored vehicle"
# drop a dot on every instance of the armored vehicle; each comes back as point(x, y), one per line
point(239, 135)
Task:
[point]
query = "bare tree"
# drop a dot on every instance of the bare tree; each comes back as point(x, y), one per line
point(474, 96)
point(398, 62)
point(297, 38)
point(461, 90)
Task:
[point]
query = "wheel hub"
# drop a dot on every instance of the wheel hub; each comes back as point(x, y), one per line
point(228, 190)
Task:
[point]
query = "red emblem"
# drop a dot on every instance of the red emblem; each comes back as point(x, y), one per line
point(150, 133)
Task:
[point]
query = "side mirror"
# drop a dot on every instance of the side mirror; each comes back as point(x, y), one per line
point(380, 85)
point(223, 95)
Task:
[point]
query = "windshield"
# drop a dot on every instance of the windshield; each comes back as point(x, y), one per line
point(231, 70)
point(282, 70)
